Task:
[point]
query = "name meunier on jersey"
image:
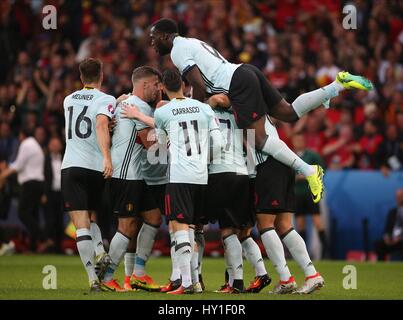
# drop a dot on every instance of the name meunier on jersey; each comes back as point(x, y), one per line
point(82, 96)
point(232, 155)
point(215, 70)
point(188, 134)
point(126, 149)
point(81, 109)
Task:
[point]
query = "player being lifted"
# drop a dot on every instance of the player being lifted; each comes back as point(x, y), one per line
point(87, 162)
point(250, 94)
point(188, 124)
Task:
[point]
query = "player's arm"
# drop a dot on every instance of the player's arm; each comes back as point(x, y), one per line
point(132, 112)
point(193, 76)
point(147, 137)
point(216, 139)
point(104, 142)
point(219, 100)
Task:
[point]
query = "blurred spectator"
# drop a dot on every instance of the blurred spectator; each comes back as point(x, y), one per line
point(53, 196)
point(368, 146)
point(8, 143)
point(392, 241)
point(338, 152)
point(390, 151)
point(29, 166)
point(304, 205)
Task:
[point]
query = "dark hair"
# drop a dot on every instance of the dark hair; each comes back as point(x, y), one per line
point(172, 80)
point(90, 70)
point(165, 25)
point(143, 72)
point(27, 132)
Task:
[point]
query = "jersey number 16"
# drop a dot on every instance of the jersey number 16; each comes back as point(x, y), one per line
point(81, 117)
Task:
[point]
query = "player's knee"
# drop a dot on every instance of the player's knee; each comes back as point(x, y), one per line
point(226, 232)
point(153, 219)
point(244, 233)
point(284, 111)
point(265, 221)
point(127, 227)
point(282, 226)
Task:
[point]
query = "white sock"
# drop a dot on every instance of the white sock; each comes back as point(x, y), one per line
point(296, 245)
point(129, 263)
point(117, 250)
point(254, 256)
point(275, 252)
point(194, 259)
point(313, 99)
point(233, 250)
point(201, 243)
point(281, 152)
point(86, 251)
point(183, 251)
point(229, 270)
point(97, 239)
point(145, 242)
point(176, 273)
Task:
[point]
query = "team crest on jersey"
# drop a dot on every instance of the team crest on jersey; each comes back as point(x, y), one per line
point(129, 207)
point(111, 109)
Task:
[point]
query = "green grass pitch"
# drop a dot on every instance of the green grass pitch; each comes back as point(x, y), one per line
point(21, 278)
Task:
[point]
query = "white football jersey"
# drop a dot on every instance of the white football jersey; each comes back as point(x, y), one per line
point(232, 155)
point(187, 123)
point(215, 70)
point(154, 171)
point(126, 145)
point(81, 109)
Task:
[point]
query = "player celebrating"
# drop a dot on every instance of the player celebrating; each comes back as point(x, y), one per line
point(87, 161)
point(251, 95)
point(189, 124)
point(130, 198)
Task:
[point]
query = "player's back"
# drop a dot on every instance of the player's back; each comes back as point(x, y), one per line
point(126, 149)
point(187, 123)
point(153, 165)
point(81, 109)
point(232, 155)
point(215, 70)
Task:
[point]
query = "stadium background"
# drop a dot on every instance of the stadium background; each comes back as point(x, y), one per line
point(300, 45)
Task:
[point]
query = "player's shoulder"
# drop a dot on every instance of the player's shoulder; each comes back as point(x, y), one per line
point(102, 96)
point(141, 104)
point(70, 96)
point(181, 43)
point(205, 108)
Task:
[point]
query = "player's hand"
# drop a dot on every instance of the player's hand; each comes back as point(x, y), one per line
point(122, 98)
point(219, 100)
point(108, 170)
point(130, 111)
point(112, 124)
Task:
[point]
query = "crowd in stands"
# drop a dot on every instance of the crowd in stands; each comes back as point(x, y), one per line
point(299, 44)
